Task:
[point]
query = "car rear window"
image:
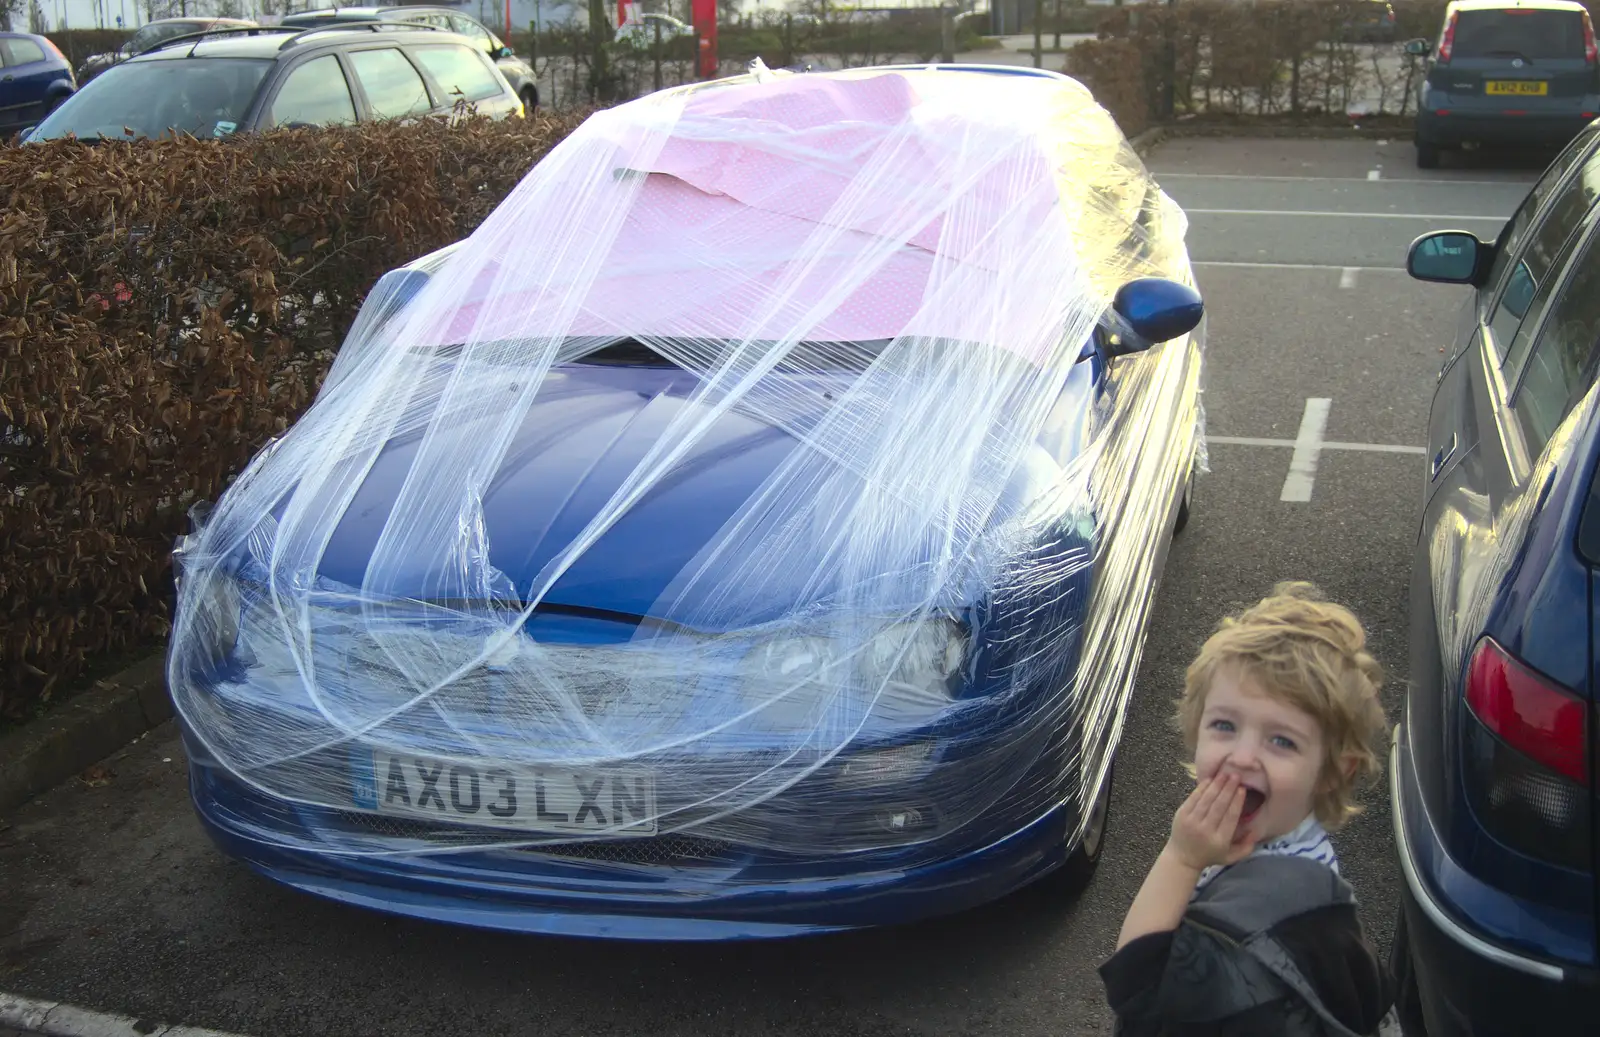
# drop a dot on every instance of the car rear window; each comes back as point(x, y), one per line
point(462, 74)
point(203, 97)
point(1530, 34)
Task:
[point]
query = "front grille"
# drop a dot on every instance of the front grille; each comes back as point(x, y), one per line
point(673, 849)
point(676, 850)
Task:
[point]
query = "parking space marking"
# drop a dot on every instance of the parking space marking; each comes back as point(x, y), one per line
point(1347, 277)
point(1336, 179)
point(1371, 448)
point(1430, 216)
point(1307, 447)
point(1294, 266)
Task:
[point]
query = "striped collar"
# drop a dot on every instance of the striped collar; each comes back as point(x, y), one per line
point(1309, 839)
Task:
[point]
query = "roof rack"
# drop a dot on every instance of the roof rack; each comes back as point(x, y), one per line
point(295, 33)
point(356, 26)
point(195, 37)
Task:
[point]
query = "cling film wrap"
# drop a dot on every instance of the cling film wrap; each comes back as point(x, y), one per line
point(750, 477)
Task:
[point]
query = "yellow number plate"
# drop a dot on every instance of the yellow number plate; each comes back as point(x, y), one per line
point(1520, 87)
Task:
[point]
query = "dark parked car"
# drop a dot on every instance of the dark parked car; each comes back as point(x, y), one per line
point(148, 36)
point(1369, 21)
point(34, 78)
point(517, 72)
point(1493, 765)
point(1519, 73)
point(259, 78)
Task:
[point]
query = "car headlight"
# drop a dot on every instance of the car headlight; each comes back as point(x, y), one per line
point(911, 669)
point(212, 625)
point(915, 658)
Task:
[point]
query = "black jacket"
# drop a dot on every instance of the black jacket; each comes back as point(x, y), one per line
point(1271, 946)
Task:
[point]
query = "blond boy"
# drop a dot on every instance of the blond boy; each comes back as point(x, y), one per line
point(1243, 925)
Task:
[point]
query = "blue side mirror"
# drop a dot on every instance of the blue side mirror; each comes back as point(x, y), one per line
point(1159, 310)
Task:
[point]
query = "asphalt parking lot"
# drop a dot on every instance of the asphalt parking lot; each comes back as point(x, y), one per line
point(111, 898)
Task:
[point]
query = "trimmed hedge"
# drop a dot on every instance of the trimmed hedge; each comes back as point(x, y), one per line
point(165, 308)
point(1252, 57)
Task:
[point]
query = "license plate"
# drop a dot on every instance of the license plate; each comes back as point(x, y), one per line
point(1518, 87)
point(572, 801)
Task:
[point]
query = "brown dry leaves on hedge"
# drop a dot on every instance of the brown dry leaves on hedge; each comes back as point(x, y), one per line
point(165, 308)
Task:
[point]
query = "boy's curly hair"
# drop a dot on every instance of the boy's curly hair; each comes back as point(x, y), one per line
point(1310, 653)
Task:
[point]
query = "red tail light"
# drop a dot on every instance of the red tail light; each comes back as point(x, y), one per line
point(1449, 40)
point(54, 49)
point(1529, 712)
point(1590, 54)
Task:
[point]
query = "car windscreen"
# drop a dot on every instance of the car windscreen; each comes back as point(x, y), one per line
point(203, 97)
point(1527, 33)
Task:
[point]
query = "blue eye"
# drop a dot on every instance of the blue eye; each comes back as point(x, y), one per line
point(1284, 741)
point(1221, 725)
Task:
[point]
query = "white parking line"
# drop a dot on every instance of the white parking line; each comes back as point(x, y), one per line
point(1430, 216)
point(1374, 174)
point(1523, 184)
point(1307, 445)
point(1295, 266)
point(1371, 448)
point(1347, 277)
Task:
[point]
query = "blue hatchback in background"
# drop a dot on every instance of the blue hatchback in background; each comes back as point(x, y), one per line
point(1493, 766)
point(34, 78)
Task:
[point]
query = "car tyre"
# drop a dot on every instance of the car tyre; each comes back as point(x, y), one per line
point(1427, 155)
point(1185, 505)
point(1407, 995)
point(1080, 866)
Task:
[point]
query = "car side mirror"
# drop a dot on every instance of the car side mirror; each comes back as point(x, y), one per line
point(1156, 310)
point(1447, 257)
point(1418, 48)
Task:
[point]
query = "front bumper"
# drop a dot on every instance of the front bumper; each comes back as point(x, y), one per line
point(738, 896)
point(1461, 126)
point(1471, 984)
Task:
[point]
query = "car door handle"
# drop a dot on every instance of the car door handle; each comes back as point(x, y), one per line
point(1442, 457)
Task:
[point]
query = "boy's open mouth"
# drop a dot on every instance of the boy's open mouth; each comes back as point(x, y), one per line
point(1253, 800)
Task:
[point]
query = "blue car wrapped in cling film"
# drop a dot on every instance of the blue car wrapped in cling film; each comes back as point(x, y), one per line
point(752, 529)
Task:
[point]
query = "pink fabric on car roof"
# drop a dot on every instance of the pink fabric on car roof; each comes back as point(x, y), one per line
point(745, 183)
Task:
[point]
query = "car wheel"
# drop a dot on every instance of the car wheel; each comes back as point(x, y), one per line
point(1407, 995)
point(1427, 155)
point(1185, 504)
point(1079, 868)
point(530, 99)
